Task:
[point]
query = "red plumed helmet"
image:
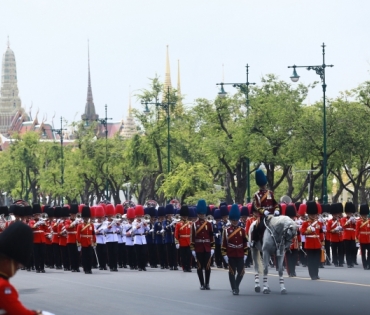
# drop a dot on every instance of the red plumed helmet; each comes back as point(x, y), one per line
point(228, 208)
point(99, 211)
point(319, 208)
point(130, 213)
point(249, 205)
point(93, 211)
point(80, 207)
point(283, 208)
point(139, 211)
point(109, 209)
point(302, 209)
point(119, 209)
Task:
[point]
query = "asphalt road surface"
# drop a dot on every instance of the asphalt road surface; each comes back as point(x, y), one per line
point(165, 292)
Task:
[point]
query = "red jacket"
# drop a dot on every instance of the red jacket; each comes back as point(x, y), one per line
point(234, 242)
point(62, 234)
point(314, 239)
point(38, 231)
point(55, 238)
point(86, 234)
point(248, 224)
point(264, 200)
point(182, 233)
point(9, 301)
point(349, 229)
point(363, 231)
point(202, 237)
point(334, 235)
point(71, 231)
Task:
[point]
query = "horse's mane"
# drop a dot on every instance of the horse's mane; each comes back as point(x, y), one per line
point(280, 223)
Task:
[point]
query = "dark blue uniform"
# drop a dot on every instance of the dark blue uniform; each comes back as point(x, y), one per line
point(169, 239)
point(221, 262)
point(159, 242)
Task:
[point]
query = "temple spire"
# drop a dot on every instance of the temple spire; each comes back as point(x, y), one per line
point(8, 43)
point(89, 113)
point(178, 82)
point(129, 102)
point(167, 78)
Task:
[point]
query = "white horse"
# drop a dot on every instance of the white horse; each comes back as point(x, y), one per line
point(277, 238)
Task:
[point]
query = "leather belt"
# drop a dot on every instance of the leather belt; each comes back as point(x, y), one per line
point(235, 246)
point(86, 235)
point(71, 232)
point(312, 236)
point(202, 241)
point(110, 232)
point(350, 229)
point(364, 232)
point(185, 235)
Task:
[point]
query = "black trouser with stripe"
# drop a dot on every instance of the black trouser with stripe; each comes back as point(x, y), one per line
point(236, 271)
point(56, 252)
point(49, 255)
point(141, 251)
point(112, 248)
point(86, 253)
point(291, 256)
point(101, 252)
point(337, 253)
point(152, 251)
point(73, 256)
point(65, 258)
point(313, 261)
point(171, 254)
point(131, 256)
point(327, 249)
point(302, 256)
point(204, 262)
point(121, 254)
point(162, 255)
point(185, 254)
point(365, 250)
point(39, 255)
point(351, 250)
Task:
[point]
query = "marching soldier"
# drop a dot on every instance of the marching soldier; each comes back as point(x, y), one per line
point(86, 239)
point(218, 237)
point(302, 208)
point(169, 239)
point(182, 237)
point(150, 239)
point(71, 230)
point(312, 229)
point(363, 235)
point(159, 237)
point(202, 245)
point(38, 227)
point(139, 228)
point(121, 244)
point(49, 262)
point(349, 234)
point(335, 232)
point(99, 227)
point(264, 201)
point(55, 237)
point(63, 238)
point(131, 255)
point(111, 237)
point(235, 249)
point(223, 224)
point(291, 255)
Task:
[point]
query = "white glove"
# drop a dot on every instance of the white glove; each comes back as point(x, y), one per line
point(150, 231)
point(276, 213)
point(217, 235)
point(79, 248)
point(248, 244)
point(321, 220)
point(194, 254)
point(46, 313)
point(323, 247)
point(162, 231)
point(353, 219)
point(177, 246)
point(266, 213)
point(312, 229)
point(212, 252)
point(245, 258)
point(300, 247)
point(226, 259)
point(357, 244)
point(324, 228)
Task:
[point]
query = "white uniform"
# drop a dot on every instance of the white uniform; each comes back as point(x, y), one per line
point(129, 238)
point(139, 230)
point(99, 232)
point(111, 232)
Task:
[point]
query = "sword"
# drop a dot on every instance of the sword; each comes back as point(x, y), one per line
point(96, 255)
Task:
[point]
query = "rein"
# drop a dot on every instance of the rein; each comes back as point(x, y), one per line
point(283, 240)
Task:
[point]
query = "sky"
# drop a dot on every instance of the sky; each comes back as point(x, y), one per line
point(128, 42)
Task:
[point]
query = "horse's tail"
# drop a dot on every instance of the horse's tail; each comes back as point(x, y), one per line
point(257, 260)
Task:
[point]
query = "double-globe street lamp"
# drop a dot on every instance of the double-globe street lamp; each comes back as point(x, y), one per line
point(244, 88)
point(166, 106)
point(320, 70)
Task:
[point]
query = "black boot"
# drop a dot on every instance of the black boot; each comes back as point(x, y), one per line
point(239, 279)
point(232, 282)
point(208, 276)
point(201, 278)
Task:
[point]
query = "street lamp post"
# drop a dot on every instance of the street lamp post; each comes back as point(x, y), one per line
point(320, 70)
point(166, 107)
point(244, 88)
point(104, 122)
point(60, 133)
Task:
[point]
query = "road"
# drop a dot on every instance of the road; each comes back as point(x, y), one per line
point(164, 292)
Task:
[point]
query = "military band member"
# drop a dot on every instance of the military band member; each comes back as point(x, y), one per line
point(182, 238)
point(15, 250)
point(169, 237)
point(302, 216)
point(71, 230)
point(39, 228)
point(349, 234)
point(139, 229)
point(335, 231)
point(363, 235)
point(264, 201)
point(55, 237)
point(223, 224)
point(202, 245)
point(49, 258)
point(130, 249)
point(99, 227)
point(121, 257)
point(63, 238)
point(218, 237)
point(111, 237)
point(312, 229)
point(291, 255)
point(150, 239)
point(86, 238)
point(235, 249)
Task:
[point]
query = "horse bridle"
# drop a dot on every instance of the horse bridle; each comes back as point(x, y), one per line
point(283, 236)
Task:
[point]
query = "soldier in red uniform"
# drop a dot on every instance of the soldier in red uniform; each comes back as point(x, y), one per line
point(335, 231)
point(202, 244)
point(349, 234)
point(55, 237)
point(291, 255)
point(39, 228)
point(15, 250)
point(312, 230)
point(71, 230)
point(263, 201)
point(234, 249)
point(182, 238)
point(363, 235)
point(86, 237)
